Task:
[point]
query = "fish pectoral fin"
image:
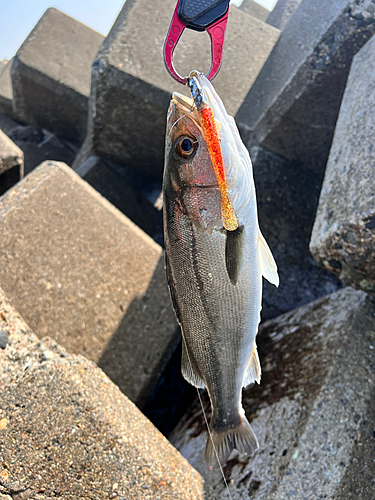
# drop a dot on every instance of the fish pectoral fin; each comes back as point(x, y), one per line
point(253, 370)
point(234, 253)
point(267, 262)
point(188, 372)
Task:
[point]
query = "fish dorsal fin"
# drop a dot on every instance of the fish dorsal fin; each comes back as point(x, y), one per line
point(253, 370)
point(188, 371)
point(267, 262)
point(234, 253)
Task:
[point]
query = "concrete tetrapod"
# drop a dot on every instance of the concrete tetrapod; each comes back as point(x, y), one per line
point(131, 88)
point(293, 105)
point(82, 273)
point(343, 237)
point(313, 413)
point(51, 75)
point(66, 430)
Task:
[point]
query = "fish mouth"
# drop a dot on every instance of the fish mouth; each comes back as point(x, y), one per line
point(184, 106)
point(183, 100)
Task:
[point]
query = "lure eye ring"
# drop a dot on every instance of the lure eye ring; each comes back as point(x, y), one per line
point(185, 148)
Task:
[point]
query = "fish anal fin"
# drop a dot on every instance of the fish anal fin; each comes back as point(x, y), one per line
point(253, 370)
point(188, 371)
point(267, 262)
point(240, 438)
point(234, 253)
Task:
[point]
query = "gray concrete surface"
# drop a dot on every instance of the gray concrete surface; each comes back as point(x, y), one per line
point(293, 105)
point(131, 88)
point(287, 195)
point(313, 413)
point(6, 92)
point(67, 431)
point(20, 341)
point(343, 238)
point(282, 12)
point(81, 272)
point(51, 75)
point(11, 163)
point(254, 9)
point(3, 63)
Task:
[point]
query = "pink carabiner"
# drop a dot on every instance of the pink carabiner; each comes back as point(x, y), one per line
point(174, 33)
point(217, 35)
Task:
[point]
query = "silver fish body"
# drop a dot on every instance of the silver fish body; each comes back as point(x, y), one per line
point(215, 279)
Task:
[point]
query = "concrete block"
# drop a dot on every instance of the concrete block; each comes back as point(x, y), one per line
point(11, 163)
point(131, 88)
point(282, 12)
point(313, 413)
point(343, 238)
point(287, 204)
point(81, 272)
point(293, 105)
point(254, 9)
point(6, 92)
point(51, 75)
point(66, 430)
point(3, 63)
point(37, 144)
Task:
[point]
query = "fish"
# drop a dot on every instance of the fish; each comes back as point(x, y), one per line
point(215, 257)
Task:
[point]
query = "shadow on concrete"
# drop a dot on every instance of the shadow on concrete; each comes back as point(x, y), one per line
point(288, 195)
point(144, 341)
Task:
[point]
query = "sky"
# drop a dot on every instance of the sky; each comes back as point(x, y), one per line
point(18, 17)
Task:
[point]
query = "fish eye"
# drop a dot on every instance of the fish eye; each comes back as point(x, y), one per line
point(185, 147)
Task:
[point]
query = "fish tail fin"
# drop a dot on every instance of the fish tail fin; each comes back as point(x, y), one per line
point(223, 442)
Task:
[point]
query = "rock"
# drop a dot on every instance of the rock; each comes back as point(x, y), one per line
point(293, 105)
point(343, 238)
point(314, 411)
point(11, 163)
point(37, 144)
point(51, 75)
point(282, 12)
point(254, 9)
point(70, 432)
point(129, 80)
point(287, 195)
point(81, 272)
point(6, 92)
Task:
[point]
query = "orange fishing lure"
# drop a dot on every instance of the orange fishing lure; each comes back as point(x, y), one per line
point(207, 121)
